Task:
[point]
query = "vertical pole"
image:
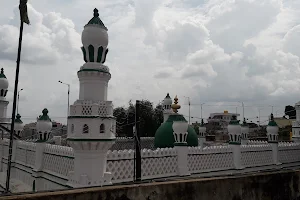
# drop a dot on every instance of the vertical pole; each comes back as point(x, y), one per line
point(68, 100)
point(138, 168)
point(201, 111)
point(189, 111)
point(14, 108)
point(18, 102)
point(243, 110)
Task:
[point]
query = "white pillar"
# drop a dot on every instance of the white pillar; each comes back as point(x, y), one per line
point(180, 135)
point(272, 133)
point(234, 131)
point(237, 156)
point(38, 166)
point(182, 160)
point(1, 154)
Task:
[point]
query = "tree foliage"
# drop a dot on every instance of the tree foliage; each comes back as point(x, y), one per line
point(290, 111)
point(150, 119)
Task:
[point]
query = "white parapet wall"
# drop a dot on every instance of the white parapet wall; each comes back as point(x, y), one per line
point(57, 161)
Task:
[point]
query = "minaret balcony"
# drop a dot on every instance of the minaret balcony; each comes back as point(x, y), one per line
point(92, 108)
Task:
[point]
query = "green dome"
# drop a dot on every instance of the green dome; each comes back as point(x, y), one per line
point(164, 134)
point(96, 20)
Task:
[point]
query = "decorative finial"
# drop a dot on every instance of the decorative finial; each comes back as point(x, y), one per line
point(272, 117)
point(2, 71)
point(233, 117)
point(96, 14)
point(45, 111)
point(18, 116)
point(168, 96)
point(175, 106)
point(202, 122)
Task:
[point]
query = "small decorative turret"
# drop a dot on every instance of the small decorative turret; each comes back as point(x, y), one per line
point(202, 129)
point(272, 130)
point(245, 132)
point(44, 126)
point(18, 125)
point(272, 134)
point(234, 131)
point(167, 110)
point(3, 102)
point(175, 106)
point(296, 124)
point(180, 132)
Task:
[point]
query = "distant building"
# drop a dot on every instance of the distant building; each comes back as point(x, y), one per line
point(221, 119)
point(283, 122)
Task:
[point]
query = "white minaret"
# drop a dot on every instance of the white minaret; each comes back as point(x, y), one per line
point(167, 103)
point(272, 134)
point(91, 125)
point(296, 124)
point(3, 101)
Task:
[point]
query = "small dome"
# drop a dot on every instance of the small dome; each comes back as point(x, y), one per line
point(44, 123)
point(164, 134)
point(167, 100)
point(95, 32)
point(3, 80)
point(234, 126)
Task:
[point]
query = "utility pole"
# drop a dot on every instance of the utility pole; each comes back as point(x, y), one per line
point(189, 109)
point(137, 139)
point(24, 19)
point(201, 109)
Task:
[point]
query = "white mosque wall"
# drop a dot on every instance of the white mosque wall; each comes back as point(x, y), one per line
point(57, 161)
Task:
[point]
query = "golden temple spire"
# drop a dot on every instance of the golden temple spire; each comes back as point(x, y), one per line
point(175, 106)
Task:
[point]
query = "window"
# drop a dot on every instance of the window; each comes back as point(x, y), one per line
point(102, 128)
point(72, 128)
point(85, 129)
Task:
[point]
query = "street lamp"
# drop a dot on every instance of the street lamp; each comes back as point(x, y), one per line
point(201, 109)
point(68, 95)
point(189, 109)
point(18, 100)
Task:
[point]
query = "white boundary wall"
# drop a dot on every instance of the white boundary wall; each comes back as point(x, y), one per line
point(58, 161)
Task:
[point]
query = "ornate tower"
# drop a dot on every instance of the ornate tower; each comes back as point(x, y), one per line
point(3, 102)
point(245, 132)
point(43, 126)
point(19, 125)
point(91, 125)
point(167, 107)
point(202, 133)
point(296, 124)
point(272, 134)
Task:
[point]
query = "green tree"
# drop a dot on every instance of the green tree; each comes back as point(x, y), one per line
point(150, 119)
point(290, 111)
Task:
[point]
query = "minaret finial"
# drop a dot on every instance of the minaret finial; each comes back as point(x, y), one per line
point(2, 70)
point(272, 117)
point(175, 106)
point(96, 14)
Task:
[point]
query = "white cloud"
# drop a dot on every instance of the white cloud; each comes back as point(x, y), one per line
point(213, 51)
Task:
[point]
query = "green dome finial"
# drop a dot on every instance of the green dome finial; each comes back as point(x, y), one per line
point(45, 115)
point(96, 20)
point(234, 120)
point(18, 118)
point(202, 122)
point(272, 122)
point(2, 73)
point(244, 122)
point(96, 14)
point(168, 96)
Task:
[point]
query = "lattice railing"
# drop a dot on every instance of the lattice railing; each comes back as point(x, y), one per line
point(58, 159)
point(91, 108)
point(256, 155)
point(210, 159)
point(289, 152)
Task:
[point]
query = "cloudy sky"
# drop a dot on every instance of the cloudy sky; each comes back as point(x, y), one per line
point(217, 52)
